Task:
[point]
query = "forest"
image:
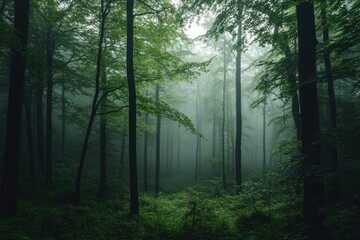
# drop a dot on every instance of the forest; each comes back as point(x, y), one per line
point(170, 119)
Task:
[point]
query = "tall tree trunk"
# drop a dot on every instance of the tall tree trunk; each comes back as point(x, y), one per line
point(199, 128)
point(63, 118)
point(167, 147)
point(158, 128)
point(264, 137)
point(49, 93)
point(40, 126)
point(134, 198)
point(103, 124)
point(198, 147)
point(238, 175)
point(8, 196)
point(313, 185)
point(27, 106)
point(334, 182)
point(95, 103)
point(171, 150)
point(214, 131)
point(146, 153)
point(223, 120)
point(178, 151)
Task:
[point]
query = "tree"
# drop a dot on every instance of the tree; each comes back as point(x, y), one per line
point(8, 197)
point(134, 199)
point(105, 10)
point(223, 118)
point(238, 176)
point(157, 144)
point(313, 185)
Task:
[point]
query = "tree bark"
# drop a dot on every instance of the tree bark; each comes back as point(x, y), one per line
point(157, 161)
point(49, 92)
point(40, 126)
point(238, 175)
point(63, 118)
point(8, 197)
point(223, 121)
point(313, 185)
point(146, 153)
point(134, 198)
point(264, 137)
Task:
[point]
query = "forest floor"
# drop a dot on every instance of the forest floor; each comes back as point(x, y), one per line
point(201, 211)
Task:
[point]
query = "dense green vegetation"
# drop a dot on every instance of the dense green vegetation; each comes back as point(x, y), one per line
point(204, 119)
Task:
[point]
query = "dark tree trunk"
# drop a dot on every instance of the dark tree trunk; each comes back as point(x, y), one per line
point(198, 146)
point(178, 151)
point(95, 103)
point(146, 154)
point(334, 181)
point(27, 106)
point(157, 161)
point(223, 121)
point(171, 151)
point(264, 137)
point(238, 175)
point(134, 199)
point(40, 126)
point(313, 185)
point(63, 118)
point(198, 118)
point(49, 93)
point(214, 131)
point(8, 196)
point(168, 147)
point(103, 124)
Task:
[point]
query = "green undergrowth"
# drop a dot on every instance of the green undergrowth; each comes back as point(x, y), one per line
point(201, 211)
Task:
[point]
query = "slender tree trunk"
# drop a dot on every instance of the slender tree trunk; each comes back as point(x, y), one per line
point(95, 104)
point(171, 150)
point(313, 185)
point(63, 118)
point(197, 152)
point(223, 121)
point(264, 138)
point(167, 147)
point(134, 198)
point(214, 131)
point(158, 128)
point(103, 123)
point(27, 106)
point(238, 175)
point(232, 141)
point(8, 196)
point(334, 182)
point(178, 151)
point(40, 126)
point(49, 93)
point(146, 153)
